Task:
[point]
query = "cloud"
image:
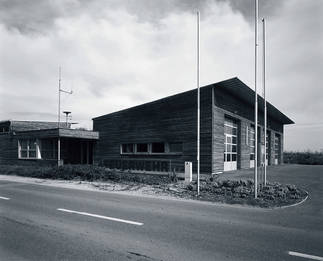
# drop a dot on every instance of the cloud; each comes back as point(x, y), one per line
point(118, 54)
point(295, 59)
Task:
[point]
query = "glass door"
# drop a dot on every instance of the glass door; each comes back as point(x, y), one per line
point(230, 144)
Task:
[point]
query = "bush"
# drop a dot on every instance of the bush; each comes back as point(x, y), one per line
point(307, 157)
point(84, 173)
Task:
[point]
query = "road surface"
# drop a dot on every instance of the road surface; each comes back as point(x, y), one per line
point(50, 223)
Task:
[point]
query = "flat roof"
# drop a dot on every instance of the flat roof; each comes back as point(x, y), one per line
point(59, 133)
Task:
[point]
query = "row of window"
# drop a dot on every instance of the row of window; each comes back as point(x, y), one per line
point(231, 144)
point(40, 149)
point(154, 147)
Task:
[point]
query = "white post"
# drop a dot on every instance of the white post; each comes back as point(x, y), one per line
point(188, 171)
point(198, 102)
point(256, 97)
point(265, 105)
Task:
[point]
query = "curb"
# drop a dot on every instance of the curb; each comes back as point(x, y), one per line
point(296, 204)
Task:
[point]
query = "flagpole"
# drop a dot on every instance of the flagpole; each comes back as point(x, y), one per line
point(265, 105)
point(198, 102)
point(59, 119)
point(256, 98)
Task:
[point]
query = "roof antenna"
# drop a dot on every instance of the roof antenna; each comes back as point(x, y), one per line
point(59, 117)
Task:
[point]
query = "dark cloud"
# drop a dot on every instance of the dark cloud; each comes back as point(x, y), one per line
point(28, 16)
point(38, 16)
point(123, 53)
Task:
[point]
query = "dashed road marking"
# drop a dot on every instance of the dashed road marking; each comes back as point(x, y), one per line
point(305, 256)
point(4, 198)
point(102, 217)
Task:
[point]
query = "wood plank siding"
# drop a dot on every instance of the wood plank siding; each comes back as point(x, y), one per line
point(172, 119)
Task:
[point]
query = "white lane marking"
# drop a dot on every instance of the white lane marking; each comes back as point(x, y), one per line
point(103, 217)
point(4, 198)
point(305, 256)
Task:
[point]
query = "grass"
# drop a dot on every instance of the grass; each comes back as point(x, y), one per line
point(212, 189)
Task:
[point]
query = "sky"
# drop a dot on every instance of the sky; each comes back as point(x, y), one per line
point(117, 54)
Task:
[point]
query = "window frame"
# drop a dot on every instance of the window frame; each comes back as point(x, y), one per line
point(29, 149)
point(127, 145)
point(5, 129)
point(252, 143)
point(164, 148)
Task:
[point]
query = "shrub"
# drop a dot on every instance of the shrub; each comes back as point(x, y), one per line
point(307, 157)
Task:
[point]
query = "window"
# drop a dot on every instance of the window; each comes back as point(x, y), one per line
point(230, 144)
point(127, 148)
point(28, 148)
point(252, 143)
point(158, 147)
point(0, 148)
point(142, 147)
point(152, 148)
point(277, 149)
point(41, 149)
point(4, 129)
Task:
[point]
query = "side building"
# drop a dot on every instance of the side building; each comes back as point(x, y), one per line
point(36, 142)
point(161, 135)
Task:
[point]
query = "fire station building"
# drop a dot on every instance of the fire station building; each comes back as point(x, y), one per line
point(161, 135)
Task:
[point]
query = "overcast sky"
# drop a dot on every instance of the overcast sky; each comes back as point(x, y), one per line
point(118, 54)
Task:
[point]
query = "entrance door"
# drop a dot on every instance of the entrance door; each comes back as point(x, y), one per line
point(230, 152)
point(230, 145)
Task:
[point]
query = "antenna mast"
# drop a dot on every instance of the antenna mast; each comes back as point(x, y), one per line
point(59, 117)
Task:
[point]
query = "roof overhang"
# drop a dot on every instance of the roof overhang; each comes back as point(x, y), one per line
point(238, 89)
point(59, 133)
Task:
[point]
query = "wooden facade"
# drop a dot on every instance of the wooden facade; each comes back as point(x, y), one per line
point(158, 136)
point(33, 142)
point(173, 120)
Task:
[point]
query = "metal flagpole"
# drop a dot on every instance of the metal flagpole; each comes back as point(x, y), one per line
point(198, 102)
point(256, 97)
point(59, 119)
point(265, 105)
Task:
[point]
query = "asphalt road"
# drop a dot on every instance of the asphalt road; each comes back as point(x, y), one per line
point(49, 223)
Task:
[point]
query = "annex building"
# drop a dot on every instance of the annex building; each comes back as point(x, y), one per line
point(36, 142)
point(161, 135)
